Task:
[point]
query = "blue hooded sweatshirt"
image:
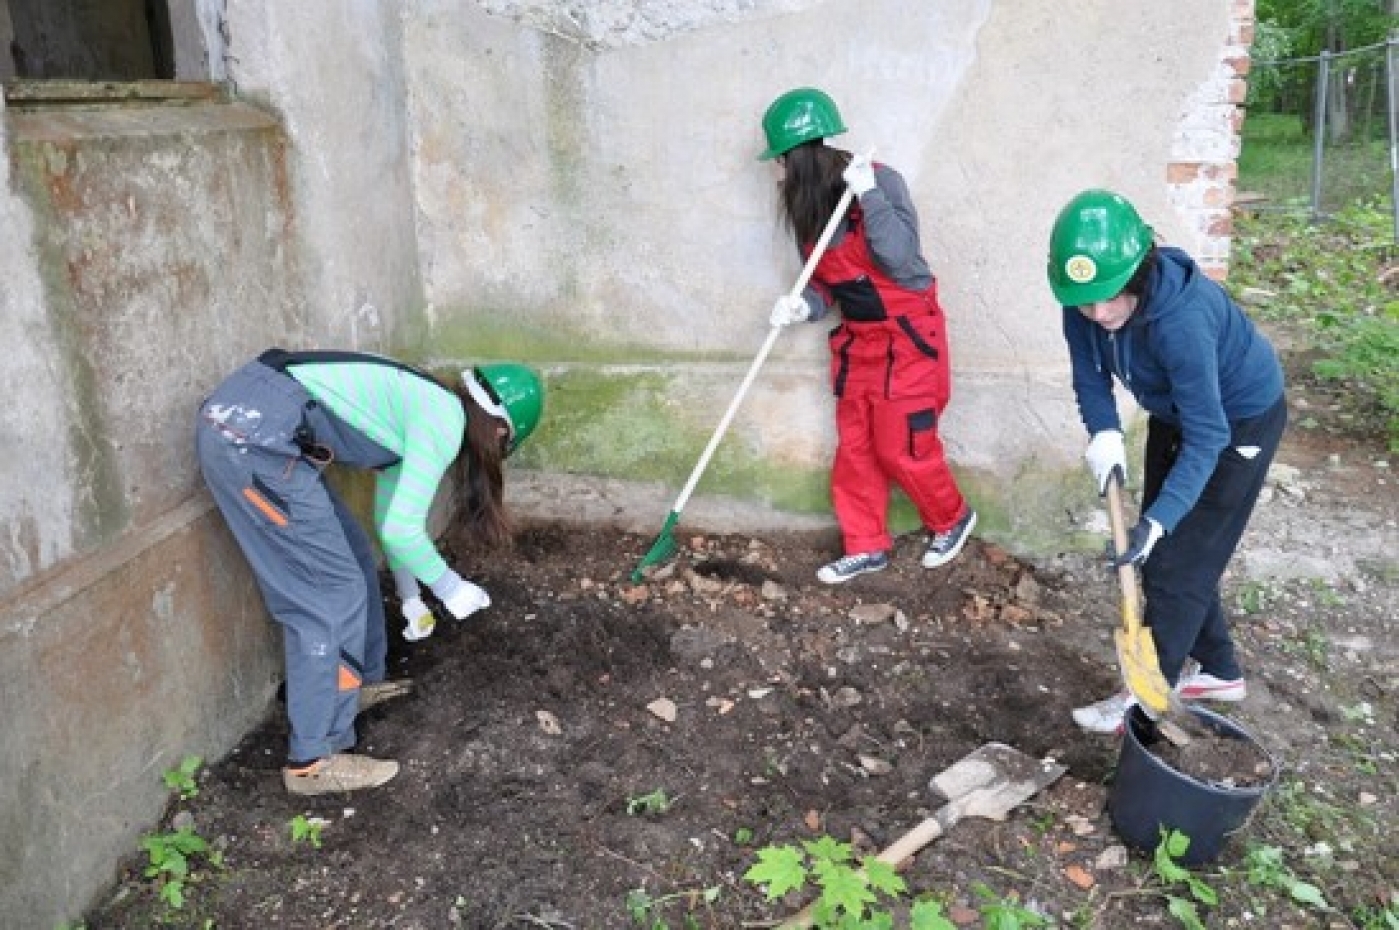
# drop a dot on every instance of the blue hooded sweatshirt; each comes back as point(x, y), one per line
point(1190, 357)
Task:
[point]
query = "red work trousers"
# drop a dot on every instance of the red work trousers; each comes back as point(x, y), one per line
point(882, 441)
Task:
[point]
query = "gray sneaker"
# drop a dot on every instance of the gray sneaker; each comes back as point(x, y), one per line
point(341, 772)
point(943, 547)
point(843, 569)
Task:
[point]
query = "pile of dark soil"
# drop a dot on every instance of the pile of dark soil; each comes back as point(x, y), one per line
point(755, 701)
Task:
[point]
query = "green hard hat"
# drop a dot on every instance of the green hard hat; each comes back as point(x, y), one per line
point(1097, 244)
point(511, 391)
point(799, 116)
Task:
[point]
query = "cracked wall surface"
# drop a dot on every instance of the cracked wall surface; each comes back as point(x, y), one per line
point(613, 23)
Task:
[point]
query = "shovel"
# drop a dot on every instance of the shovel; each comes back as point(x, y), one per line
point(1136, 650)
point(989, 782)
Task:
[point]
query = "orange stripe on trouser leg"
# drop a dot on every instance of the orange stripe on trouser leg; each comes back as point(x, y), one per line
point(348, 680)
point(261, 503)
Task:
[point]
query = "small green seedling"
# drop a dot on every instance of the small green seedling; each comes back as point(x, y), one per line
point(307, 829)
point(645, 909)
point(182, 778)
point(170, 855)
point(1253, 597)
point(657, 802)
point(1377, 918)
point(1267, 869)
point(848, 892)
point(1004, 913)
point(1172, 846)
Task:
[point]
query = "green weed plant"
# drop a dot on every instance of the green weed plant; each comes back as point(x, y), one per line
point(646, 910)
point(1175, 878)
point(306, 830)
point(171, 857)
point(654, 803)
point(182, 778)
point(859, 893)
point(1339, 283)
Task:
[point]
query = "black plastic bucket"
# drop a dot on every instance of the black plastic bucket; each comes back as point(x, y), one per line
point(1147, 794)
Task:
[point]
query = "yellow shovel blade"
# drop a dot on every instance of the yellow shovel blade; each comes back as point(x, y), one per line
point(1141, 670)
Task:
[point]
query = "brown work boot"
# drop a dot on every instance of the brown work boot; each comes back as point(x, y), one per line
point(376, 693)
point(341, 772)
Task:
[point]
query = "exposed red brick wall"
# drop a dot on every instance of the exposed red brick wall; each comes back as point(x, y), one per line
point(1204, 166)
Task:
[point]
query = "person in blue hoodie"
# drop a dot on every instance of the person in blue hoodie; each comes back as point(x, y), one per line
point(1146, 316)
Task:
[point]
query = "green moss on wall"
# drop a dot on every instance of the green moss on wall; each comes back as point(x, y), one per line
point(619, 411)
point(497, 333)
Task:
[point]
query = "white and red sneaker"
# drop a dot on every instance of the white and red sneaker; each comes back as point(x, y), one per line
point(1202, 686)
point(1107, 715)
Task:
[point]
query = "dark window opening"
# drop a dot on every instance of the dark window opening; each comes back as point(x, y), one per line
point(87, 40)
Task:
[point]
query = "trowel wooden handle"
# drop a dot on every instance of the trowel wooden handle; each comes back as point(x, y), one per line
point(921, 835)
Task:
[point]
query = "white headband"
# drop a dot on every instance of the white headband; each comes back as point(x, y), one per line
point(483, 399)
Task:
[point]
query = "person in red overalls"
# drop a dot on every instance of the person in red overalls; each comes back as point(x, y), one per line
point(889, 363)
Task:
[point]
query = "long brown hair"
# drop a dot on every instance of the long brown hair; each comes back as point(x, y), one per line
point(480, 475)
point(811, 188)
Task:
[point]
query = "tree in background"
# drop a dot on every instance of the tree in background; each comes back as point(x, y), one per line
point(1306, 28)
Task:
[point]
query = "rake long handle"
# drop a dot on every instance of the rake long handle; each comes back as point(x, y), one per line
point(807, 271)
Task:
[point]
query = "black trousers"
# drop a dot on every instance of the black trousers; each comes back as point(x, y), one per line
point(1180, 579)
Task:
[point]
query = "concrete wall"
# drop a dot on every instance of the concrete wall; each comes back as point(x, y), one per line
point(146, 251)
point(570, 183)
point(150, 251)
point(588, 197)
point(332, 72)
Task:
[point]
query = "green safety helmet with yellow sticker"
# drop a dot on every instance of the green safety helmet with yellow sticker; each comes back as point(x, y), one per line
point(511, 391)
point(799, 116)
point(1097, 244)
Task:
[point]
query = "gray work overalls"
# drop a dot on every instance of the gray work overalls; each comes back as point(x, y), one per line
point(263, 445)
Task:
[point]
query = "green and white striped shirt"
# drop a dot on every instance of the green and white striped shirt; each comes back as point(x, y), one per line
point(418, 420)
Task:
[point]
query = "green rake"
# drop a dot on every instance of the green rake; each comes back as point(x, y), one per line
point(664, 546)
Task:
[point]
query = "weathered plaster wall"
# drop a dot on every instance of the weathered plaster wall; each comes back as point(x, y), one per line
point(160, 236)
point(37, 496)
point(588, 197)
point(149, 248)
point(146, 251)
point(332, 72)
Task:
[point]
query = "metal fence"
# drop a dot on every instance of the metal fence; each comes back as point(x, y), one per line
point(1320, 132)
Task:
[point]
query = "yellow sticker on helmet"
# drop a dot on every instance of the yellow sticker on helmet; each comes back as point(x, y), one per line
point(1081, 269)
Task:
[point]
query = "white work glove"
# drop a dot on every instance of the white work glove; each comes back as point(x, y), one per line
point(1107, 454)
point(420, 620)
point(789, 309)
point(459, 596)
point(859, 174)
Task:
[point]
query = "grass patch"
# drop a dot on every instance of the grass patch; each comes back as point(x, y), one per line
point(1337, 282)
point(1276, 157)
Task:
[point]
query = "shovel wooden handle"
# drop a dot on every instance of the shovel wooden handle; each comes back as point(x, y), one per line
point(1136, 649)
point(1126, 574)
